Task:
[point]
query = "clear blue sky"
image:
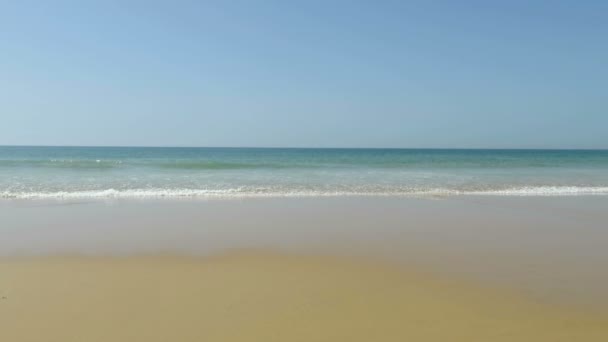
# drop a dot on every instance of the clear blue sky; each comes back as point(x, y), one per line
point(515, 74)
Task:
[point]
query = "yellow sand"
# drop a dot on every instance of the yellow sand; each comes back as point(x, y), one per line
point(262, 297)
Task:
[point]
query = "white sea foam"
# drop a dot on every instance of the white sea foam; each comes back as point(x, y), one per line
point(247, 193)
point(544, 191)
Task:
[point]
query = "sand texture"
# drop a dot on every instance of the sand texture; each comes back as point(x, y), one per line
point(263, 297)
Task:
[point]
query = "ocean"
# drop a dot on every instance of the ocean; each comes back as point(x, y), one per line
point(159, 172)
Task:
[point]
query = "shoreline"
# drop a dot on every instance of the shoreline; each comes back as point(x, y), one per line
point(237, 193)
point(551, 249)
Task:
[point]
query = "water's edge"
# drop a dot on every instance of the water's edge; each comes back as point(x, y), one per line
point(126, 172)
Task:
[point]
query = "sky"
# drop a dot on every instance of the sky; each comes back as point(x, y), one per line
point(453, 74)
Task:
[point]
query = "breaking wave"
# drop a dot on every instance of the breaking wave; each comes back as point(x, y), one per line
point(248, 192)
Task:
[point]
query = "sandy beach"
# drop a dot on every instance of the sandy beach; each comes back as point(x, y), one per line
point(254, 296)
point(357, 269)
point(312, 171)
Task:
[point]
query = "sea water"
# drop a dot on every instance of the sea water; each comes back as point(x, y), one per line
point(131, 172)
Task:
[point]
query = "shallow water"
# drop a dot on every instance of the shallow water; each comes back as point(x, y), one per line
point(130, 172)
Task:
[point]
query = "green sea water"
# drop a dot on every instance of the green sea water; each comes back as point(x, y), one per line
point(117, 172)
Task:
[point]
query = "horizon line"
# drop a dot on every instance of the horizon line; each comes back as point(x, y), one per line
point(323, 148)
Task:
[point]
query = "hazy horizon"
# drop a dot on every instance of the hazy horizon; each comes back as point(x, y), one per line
point(313, 148)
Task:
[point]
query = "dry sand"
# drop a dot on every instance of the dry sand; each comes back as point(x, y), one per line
point(263, 297)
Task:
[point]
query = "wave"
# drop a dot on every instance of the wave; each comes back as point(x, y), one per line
point(295, 163)
point(214, 165)
point(544, 191)
point(62, 163)
point(247, 192)
point(164, 164)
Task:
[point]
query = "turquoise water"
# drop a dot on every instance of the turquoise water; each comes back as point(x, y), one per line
point(110, 172)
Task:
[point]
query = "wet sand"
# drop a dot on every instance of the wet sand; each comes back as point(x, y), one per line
point(326, 269)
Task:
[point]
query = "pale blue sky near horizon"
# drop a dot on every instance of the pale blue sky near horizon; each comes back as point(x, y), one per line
point(454, 74)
